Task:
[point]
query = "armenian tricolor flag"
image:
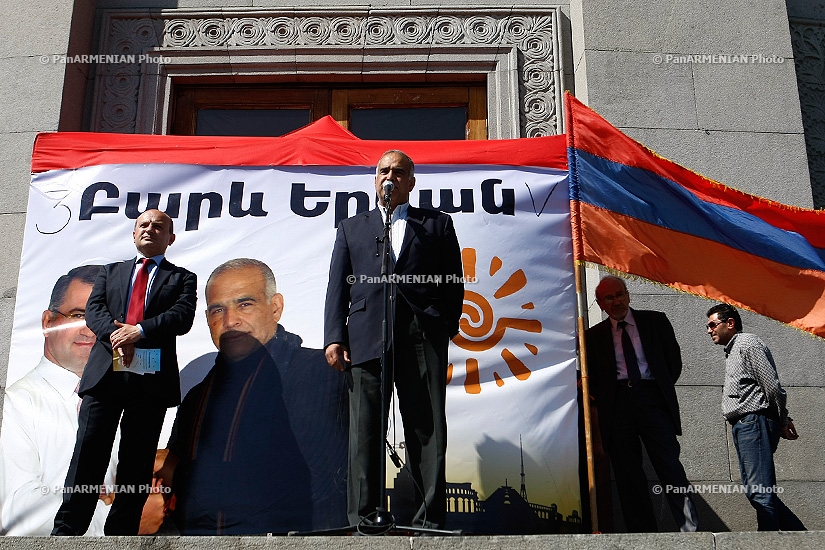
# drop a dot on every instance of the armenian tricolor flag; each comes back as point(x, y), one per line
point(639, 213)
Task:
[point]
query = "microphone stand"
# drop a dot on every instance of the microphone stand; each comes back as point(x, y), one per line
point(382, 521)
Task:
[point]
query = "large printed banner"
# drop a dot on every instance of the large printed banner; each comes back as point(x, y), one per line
point(512, 446)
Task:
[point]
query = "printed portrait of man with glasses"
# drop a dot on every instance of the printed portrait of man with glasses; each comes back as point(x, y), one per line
point(40, 415)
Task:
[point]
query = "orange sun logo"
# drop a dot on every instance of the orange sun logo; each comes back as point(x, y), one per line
point(479, 331)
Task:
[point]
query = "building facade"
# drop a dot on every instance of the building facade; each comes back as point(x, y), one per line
point(732, 90)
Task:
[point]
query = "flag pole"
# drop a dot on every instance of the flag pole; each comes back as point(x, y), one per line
point(581, 306)
point(585, 382)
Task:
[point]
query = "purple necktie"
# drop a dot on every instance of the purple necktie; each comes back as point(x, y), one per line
point(630, 359)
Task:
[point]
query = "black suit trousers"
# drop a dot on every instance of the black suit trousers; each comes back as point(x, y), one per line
point(640, 416)
point(141, 418)
point(418, 364)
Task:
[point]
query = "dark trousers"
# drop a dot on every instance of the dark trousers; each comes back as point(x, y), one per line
point(140, 422)
point(420, 373)
point(641, 416)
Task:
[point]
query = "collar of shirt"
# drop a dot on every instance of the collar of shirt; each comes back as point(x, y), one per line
point(152, 269)
point(627, 318)
point(398, 227)
point(157, 259)
point(62, 380)
point(400, 212)
point(729, 345)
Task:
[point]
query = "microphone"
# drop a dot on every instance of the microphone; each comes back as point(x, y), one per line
point(387, 187)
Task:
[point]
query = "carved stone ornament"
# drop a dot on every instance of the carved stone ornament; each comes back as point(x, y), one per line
point(533, 34)
point(808, 41)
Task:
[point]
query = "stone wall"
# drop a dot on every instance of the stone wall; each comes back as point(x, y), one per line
point(664, 73)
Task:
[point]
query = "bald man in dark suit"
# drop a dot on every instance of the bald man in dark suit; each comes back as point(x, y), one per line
point(634, 361)
point(162, 307)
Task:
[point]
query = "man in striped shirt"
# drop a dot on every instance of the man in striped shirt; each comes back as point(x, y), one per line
point(753, 402)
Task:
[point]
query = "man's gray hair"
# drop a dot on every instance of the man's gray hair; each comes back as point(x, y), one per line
point(271, 288)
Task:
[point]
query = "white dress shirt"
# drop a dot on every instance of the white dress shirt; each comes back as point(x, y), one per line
point(632, 331)
point(398, 227)
point(36, 445)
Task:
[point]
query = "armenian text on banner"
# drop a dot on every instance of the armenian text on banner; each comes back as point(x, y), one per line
point(512, 385)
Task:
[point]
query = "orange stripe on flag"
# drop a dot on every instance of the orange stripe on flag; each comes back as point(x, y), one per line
point(704, 267)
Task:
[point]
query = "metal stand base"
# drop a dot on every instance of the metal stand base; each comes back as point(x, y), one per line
point(382, 523)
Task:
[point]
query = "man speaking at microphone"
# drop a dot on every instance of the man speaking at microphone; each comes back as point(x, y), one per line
point(426, 296)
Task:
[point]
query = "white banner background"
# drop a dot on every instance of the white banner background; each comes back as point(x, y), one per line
point(485, 425)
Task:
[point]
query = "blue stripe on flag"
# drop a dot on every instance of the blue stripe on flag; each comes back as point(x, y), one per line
point(653, 199)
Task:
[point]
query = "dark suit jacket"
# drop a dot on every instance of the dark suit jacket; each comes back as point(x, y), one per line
point(353, 314)
point(283, 453)
point(170, 311)
point(662, 354)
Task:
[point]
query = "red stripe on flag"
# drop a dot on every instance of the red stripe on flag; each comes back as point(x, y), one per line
point(595, 135)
